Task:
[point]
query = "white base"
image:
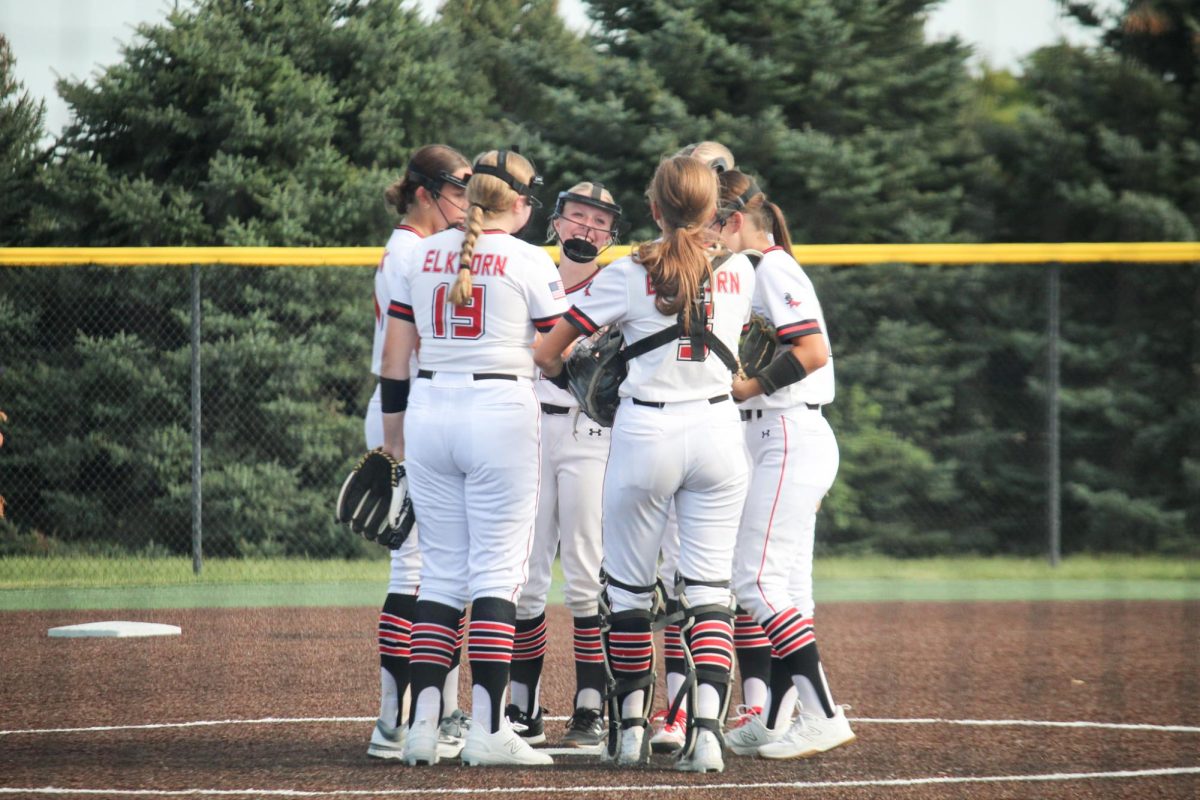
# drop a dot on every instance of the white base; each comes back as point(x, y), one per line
point(118, 630)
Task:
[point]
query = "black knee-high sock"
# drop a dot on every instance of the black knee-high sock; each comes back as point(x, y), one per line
point(490, 650)
point(529, 655)
point(780, 685)
point(589, 656)
point(753, 650)
point(435, 631)
point(796, 643)
point(395, 642)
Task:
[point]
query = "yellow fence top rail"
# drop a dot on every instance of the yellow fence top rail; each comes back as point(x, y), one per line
point(1024, 253)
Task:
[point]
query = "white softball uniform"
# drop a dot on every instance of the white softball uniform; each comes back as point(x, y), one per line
point(472, 427)
point(406, 562)
point(574, 455)
point(677, 435)
point(793, 451)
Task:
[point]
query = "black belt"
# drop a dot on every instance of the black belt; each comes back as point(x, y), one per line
point(714, 400)
point(551, 409)
point(479, 376)
point(757, 413)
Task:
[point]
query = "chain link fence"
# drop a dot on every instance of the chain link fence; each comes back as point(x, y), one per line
point(957, 387)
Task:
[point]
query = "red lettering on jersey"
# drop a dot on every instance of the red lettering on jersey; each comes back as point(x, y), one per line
point(451, 266)
point(430, 264)
point(649, 286)
point(488, 264)
point(728, 283)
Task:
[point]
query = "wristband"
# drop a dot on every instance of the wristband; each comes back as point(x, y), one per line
point(393, 395)
point(781, 372)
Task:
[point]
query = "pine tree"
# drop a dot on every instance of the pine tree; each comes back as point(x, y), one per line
point(21, 128)
point(231, 123)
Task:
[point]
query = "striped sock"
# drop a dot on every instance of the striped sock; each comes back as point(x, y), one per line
point(490, 651)
point(711, 641)
point(395, 639)
point(753, 658)
point(528, 658)
point(631, 654)
point(433, 636)
point(795, 643)
point(673, 659)
point(589, 657)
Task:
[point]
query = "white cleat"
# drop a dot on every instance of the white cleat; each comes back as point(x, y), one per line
point(809, 735)
point(669, 736)
point(632, 748)
point(705, 756)
point(386, 741)
point(502, 748)
point(421, 748)
point(452, 734)
point(753, 733)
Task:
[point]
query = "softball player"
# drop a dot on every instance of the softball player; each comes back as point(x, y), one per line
point(753, 660)
point(470, 430)
point(795, 458)
point(430, 197)
point(574, 454)
point(676, 436)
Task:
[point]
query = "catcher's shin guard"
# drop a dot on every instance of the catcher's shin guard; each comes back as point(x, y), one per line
point(626, 639)
point(711, 623)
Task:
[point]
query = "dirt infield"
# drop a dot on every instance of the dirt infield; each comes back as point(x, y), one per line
point(947, 701)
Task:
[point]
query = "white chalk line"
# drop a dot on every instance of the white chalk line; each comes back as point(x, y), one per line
point(1030, 723)
point(554, 790)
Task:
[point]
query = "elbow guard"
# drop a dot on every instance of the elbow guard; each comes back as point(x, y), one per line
point(781, 372)
point(393, 395)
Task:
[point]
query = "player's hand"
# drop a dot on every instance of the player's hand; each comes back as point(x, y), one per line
point(744, 389)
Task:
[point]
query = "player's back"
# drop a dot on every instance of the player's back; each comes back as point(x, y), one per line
point(514, 291)
point(669, 373)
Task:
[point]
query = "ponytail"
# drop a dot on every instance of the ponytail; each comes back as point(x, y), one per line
point(460, 293)
point(739, 193)
point(490, 191)
point(684, 195)
point(779, 228)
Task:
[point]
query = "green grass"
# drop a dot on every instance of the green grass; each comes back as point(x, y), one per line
point(136, 583)
point(1093, 568)
point(24, 572)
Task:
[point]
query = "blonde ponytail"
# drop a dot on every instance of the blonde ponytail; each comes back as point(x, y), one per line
point(460, 293)
point(488, 196)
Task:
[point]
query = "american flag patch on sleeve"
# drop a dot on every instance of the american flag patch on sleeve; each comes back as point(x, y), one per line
point(556, 289)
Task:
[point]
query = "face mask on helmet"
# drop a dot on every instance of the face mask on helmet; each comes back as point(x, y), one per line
point(581, 251)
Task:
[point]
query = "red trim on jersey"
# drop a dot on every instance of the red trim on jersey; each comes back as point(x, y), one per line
point(774, 247)
point(583, 283)
point(403, 227)
point(798, 329)
point(493, 230)
point(545, 324)
point(581, 321)
point(401, 311)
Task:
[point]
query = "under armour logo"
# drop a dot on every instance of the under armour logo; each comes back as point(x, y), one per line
point(766, 433)
point(595, 431)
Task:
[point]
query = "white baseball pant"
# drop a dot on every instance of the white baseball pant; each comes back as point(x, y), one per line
point(795, 457)
point(469, 446)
